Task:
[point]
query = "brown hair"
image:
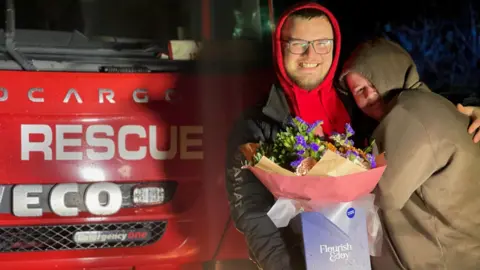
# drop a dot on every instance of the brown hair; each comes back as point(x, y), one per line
point(307, 13)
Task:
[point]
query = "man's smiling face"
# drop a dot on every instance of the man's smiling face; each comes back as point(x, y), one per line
point(307, 69)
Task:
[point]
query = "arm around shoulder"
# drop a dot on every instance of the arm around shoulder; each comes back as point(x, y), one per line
point(411, 157)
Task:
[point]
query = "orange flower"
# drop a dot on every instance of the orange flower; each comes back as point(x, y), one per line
point(249, 150)
point(331, 147)
point(359, 151)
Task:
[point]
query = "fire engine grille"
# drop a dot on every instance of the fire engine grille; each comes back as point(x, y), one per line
point(62, 237)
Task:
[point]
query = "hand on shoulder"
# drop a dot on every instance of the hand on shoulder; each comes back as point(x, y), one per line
point(474, 113)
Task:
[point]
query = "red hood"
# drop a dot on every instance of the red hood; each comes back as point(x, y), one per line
point(322, 102)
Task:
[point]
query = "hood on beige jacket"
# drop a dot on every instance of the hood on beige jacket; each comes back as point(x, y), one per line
point(385, 64)
point(429, 191)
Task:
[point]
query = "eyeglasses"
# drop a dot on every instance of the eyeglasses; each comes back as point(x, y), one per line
point(299, 46)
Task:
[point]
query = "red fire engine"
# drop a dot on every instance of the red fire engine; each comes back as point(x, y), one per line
point(113, 150)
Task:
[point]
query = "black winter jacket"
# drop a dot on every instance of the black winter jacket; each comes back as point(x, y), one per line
point(271, 248)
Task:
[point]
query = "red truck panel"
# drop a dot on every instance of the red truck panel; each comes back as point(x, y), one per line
point(190, 128)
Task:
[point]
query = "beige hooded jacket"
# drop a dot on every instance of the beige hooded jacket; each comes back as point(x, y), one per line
point(429, 192)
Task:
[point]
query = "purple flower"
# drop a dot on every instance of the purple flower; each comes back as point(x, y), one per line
point(301, 120)
point(314, 125)
point(352, 154)
point(300, 140)
point(349, 129)
point(315, 147)
point(371, 160)
point(291, 122)
point(296, 163)
point(349, 142)
point(300, 152)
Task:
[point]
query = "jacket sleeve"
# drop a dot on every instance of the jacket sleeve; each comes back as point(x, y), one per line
point(250, 201)
point(411, 157)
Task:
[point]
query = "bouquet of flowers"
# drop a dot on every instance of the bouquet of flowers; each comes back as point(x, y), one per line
point(308, 171)
point(331, 164)
point(301, 146)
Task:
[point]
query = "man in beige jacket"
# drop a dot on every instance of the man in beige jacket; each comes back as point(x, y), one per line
point(429, 191)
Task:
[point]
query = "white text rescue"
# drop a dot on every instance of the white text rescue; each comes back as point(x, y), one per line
point(86, 145)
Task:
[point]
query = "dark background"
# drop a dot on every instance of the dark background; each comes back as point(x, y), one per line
point(443, 37)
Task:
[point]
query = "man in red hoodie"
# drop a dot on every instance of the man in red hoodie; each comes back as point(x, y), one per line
point(306, 49)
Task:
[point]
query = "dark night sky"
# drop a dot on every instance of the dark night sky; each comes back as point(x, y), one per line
point(358, 19)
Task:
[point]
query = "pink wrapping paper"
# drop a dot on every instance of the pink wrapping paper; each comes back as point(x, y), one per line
point(333, 179)
point(328, 189)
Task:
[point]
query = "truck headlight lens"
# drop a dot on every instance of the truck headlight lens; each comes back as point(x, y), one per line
point(148, 195)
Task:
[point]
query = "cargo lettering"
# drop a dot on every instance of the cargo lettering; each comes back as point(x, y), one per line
point(103, 142)
point(105, 95)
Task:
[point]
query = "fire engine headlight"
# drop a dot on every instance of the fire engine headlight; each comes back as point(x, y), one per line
point(152, 194)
